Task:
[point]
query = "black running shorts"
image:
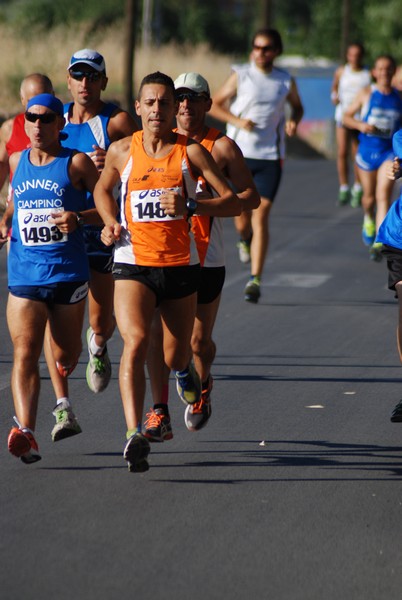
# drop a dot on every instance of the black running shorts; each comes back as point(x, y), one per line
point(168, 283)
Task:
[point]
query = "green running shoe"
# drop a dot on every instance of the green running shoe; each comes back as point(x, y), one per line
point(343, 197)
point(99, 368)
point(244, 251)
point(356, 197)
point(66, 422)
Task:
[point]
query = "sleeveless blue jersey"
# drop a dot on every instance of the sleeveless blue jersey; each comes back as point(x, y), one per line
point(390, 231)
point(384, 111)
point(82, 137)
point(39, 253)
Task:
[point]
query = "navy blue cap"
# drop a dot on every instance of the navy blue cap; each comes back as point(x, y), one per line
point(49, 101)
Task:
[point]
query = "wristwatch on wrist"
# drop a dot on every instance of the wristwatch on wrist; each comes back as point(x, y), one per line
point(191, 206)
point(80, 219)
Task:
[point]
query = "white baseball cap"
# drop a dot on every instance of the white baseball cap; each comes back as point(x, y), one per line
point(88, 57)
point(192, 81)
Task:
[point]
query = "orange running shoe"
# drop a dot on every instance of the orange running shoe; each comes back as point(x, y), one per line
point(65, 371)
point(157, 426)
point(22, 444)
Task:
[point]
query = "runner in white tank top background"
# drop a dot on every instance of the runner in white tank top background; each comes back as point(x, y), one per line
point(348, 80)
point(257, 93)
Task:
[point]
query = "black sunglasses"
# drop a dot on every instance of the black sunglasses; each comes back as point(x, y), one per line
point(45, 119)
point(268, 48)
point(90, 75)
point(190, 96)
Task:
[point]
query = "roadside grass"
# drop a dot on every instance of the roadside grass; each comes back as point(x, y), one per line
point(50, 52)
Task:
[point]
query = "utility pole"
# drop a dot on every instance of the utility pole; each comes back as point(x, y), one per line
point(129, 49)
point(147, 9)
point(267, 10)
point(345, 28)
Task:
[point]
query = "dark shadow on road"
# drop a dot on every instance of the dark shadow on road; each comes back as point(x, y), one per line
point(284, 461)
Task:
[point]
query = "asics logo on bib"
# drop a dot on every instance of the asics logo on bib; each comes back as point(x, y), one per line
point(150, 193)
point(156, 193)
point(36, 218)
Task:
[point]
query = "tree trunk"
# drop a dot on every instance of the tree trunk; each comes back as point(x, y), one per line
point(345, 29)
point(129, 49)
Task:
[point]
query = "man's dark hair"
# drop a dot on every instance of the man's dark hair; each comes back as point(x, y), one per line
point(357, 45)
point(274, 35)
point(157, 77)
point(388, 57)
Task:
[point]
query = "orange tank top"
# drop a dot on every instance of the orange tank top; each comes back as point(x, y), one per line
point(150, 237)
point(201, 225)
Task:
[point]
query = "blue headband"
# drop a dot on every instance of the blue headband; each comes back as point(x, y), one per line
point(49, 101)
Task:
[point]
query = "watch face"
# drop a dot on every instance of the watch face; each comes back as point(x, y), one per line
point(191, 204)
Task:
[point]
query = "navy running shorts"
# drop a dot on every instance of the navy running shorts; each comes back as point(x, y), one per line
point(100, 256)
point(54, 293)
point(267, 176)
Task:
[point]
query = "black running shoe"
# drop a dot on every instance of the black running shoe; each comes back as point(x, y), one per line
point(135, 453)
point(396, 416)
point(252, 291)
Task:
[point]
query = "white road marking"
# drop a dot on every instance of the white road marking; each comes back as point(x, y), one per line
point(298, 280)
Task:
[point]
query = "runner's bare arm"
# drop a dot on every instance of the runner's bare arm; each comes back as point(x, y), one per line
point(103, 193)
point(220, 102)
point(230, 160)
point(297, 111)
point(227, 204)
point(120, 126)
point(348, 116)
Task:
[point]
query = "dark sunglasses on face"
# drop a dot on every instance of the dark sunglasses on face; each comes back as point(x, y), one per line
point(268, 48)
point(45, 119)
point(190, 96)
point(89, 75)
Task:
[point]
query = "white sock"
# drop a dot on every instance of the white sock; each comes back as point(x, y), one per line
point(63, 399)
point(344, 188)
point(93, 346)
point(357, 187)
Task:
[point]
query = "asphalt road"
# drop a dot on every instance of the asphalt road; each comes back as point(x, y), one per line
point(292, 491)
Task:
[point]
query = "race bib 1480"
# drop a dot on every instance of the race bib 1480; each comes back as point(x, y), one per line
point(35, 229)
point(145, 205)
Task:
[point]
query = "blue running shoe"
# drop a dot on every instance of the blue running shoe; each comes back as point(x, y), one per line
point(376, 252)
point(188, 385)
point(368, 232)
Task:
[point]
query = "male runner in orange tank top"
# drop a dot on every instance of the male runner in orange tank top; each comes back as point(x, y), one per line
point(156, 263)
